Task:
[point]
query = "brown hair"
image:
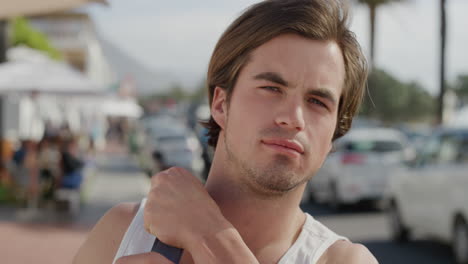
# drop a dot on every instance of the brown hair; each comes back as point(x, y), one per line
point(325, 20)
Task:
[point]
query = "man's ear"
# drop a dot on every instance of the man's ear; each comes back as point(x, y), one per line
point(331, 147)
point(219, 107)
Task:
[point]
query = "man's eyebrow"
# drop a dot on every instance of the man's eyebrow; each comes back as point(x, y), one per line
point(323, 93)
point(276, 78)
point(272, 77)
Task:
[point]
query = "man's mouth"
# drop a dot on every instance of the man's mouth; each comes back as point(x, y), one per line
point(284, 145)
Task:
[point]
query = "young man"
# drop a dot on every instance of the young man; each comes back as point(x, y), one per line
point(285, 80)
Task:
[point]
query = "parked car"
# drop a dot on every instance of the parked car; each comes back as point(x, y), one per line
point(142, 150)
point(358, 168)
point(149, 128)
point(174, 144)
point(181, 149)
point(429, 197)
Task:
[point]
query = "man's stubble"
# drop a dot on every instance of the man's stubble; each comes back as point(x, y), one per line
point(274, 180)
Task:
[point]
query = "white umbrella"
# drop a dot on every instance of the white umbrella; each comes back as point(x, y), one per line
point(30, 71)
point(13, 8)
point(122, 108)
point(43, 78)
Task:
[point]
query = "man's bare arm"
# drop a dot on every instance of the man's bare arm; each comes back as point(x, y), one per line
point(104, 239)
point(349, 253)
point(359, 254)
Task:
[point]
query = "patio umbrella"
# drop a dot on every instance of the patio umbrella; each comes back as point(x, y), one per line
point(31, 71)
point(50, 77)
point(121, 108)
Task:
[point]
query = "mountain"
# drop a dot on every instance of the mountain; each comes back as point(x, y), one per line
point(147, 81)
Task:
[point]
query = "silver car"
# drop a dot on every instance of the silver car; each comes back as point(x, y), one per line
point(429, 197)
point(358, 168)
point(181, 149)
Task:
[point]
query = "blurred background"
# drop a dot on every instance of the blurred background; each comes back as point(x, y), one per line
point(97, 96)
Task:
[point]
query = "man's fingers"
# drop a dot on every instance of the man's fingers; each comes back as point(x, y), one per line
point(145, 258)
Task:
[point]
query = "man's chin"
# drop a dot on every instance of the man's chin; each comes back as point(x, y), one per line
point(275, 183)
point(266, 192)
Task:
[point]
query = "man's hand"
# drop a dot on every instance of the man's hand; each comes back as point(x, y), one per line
point(179, 211)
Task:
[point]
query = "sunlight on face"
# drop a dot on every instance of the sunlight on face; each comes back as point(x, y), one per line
point(286, 95)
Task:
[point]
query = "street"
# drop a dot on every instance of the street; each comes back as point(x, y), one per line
point(119, 180)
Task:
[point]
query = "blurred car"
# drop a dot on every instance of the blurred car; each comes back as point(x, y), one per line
point(144, 134)
point(142, 150)
point(358, 168)
point(416, 136)
point(174, 144)
point(180, 149)
point(429, 197)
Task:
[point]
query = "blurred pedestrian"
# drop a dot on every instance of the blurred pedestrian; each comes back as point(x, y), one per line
point(284, 81)
point(50, 130)
point(71, 164)
point(5, 183)
point(49, 166)
point(64, 132)
point(25, 174)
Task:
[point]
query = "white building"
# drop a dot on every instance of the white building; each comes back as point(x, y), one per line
point(75, 36)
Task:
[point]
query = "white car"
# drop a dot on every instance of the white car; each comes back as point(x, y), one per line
point(430, 197)
point(172, 143)
point(181, 150)
point(357, 170)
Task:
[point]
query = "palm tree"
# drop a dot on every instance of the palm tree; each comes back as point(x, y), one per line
point(3, 41)
point(373, 5)
point(443, 38)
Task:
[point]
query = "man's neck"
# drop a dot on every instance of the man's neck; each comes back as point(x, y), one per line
point(267, 225)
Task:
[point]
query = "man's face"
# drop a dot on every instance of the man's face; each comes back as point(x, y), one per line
point(278, 127)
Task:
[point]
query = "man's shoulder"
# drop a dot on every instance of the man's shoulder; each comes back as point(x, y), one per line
point(120, 215)
point(122, 211)
point(347, 252)
point(104, 239)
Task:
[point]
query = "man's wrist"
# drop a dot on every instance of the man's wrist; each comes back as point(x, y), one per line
point(208, 232)
point(225, 246)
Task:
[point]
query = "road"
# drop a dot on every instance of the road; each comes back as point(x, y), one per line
point(119, 180)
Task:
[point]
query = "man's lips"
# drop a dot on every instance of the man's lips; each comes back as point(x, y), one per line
point(286, 143)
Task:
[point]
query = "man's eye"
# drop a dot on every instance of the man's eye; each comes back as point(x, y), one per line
point(317, 102)
point(271, 88)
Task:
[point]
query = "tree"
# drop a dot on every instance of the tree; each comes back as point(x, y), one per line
point(391, 100)
point(443, 37)
point(24, 34)
point(3, 43)
point(201, 92)
point(373, 5)
point(461, 88)
point(177, 92)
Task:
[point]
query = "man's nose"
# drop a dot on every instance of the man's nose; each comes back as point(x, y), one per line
point(291, 115)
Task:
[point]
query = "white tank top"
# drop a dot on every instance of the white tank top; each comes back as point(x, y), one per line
point(313, 241)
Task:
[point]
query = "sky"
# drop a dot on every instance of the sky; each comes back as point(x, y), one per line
point(178, 37)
